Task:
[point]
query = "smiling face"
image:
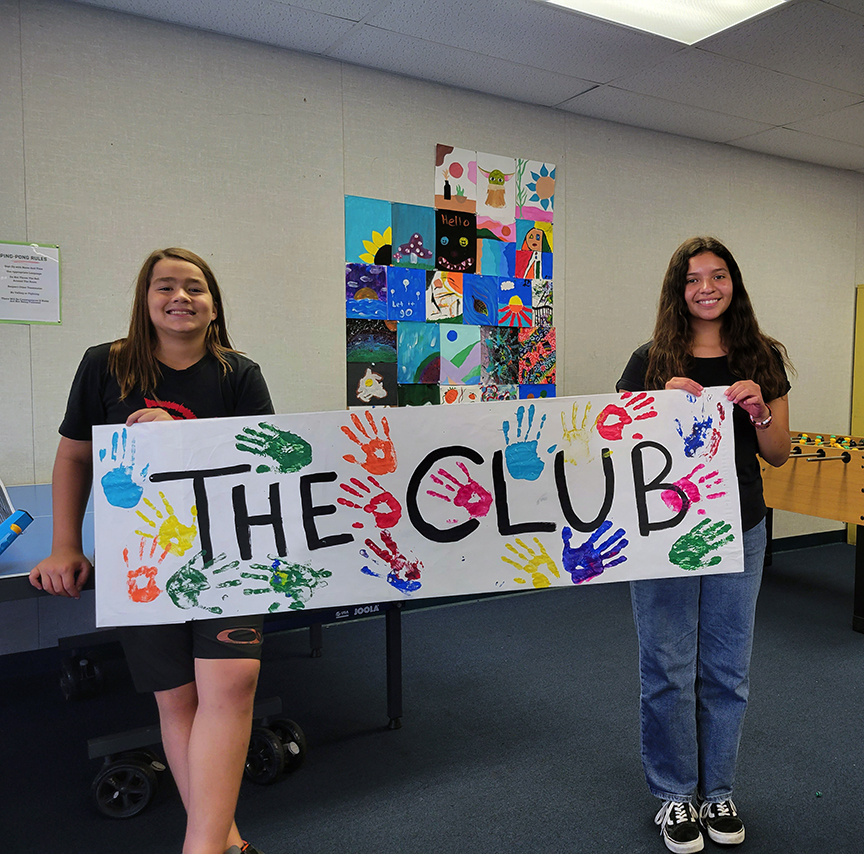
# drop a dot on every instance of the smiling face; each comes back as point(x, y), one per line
point(708, 287)
point(179, 299)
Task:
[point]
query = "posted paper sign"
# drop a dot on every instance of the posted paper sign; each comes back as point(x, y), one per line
point(29, 283)
point(230, 516)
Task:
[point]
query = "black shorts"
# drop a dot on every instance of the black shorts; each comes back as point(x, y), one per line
point(163, 657)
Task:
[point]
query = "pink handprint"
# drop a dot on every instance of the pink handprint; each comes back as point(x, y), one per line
point(614, 418)
point(693, 489)
point(380, 453)
point(470, 495)
point(404, 573)
point(385, 509)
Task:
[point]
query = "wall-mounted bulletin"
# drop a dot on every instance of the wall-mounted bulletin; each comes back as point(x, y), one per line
point(453, 303)
point(29, 283)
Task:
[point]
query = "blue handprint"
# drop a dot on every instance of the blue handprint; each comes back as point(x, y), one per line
point(590, 559)
point(695, 440)
point(120, 485)
point(523, 461)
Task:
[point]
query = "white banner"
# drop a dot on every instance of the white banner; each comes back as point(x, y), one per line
point(230, 516)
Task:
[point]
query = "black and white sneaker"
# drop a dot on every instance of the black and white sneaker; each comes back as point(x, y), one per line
point(679, 827)
point(722, 823)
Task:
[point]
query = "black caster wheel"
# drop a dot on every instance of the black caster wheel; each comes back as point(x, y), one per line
point(123, 788)
point(80, 677)
point(265, 760)
point(293, 741)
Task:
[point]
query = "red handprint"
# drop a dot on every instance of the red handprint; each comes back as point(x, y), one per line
point(470, 495)
point(404, 572)
point(380, 453)
point(383, 506)
point(613, 419)
point(691, 489)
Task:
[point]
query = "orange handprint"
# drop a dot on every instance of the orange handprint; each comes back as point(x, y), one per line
point(380, 453)
point(150, 590)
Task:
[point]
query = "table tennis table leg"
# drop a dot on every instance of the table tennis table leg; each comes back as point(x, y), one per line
point(858, 597)
point(393, 618)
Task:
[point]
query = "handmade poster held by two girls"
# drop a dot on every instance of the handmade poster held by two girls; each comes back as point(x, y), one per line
point(259, 514)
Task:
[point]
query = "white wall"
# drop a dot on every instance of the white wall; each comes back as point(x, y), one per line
point(121, 135)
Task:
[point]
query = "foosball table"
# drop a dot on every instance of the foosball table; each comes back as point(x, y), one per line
point(824, 476)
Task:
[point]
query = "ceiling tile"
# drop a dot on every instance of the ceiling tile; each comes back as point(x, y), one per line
point(530, 33)
point(804, 146)
point(630, 108)
point(256, 20)
point(427, 60)
point(845, 125)
point(713, 82)
point(829, 44)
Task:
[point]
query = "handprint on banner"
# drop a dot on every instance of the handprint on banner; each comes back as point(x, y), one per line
point(173, 536)
point(704, 437)
point(141, 580)
point(187, 584)
point(693, 489)
point(469, 495)
point(286, 451)
point(296, 582)
point(577, 437)
point(592, 559)
point(122, 487)
point(383, 506)
point(523, 461)
point(614, 418)
point(403, 573)
point(533, 564)
point(693, 550)
point(380, 453)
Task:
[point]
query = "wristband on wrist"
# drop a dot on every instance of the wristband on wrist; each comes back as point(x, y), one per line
point(765, 423)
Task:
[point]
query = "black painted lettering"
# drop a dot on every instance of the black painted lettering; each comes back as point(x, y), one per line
point(199, 479)
point(642, 489)
point(243, 522)
point(310, 510)
point(564, 494)
point(502, 507)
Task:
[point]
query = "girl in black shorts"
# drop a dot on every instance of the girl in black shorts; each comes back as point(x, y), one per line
point(176, 362)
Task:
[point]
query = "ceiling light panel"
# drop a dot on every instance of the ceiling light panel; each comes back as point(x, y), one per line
point(687, 21)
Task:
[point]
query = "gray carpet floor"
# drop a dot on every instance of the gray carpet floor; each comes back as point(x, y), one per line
point(520, 734)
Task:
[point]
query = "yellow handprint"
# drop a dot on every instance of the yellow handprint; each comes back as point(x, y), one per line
point(172, 535)
point(577, 438)
point(535, 565)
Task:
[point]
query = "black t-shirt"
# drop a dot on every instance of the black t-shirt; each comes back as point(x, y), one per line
point(200, 391)
point(715, 372)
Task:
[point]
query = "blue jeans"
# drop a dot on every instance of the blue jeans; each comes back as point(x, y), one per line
point(695, 638)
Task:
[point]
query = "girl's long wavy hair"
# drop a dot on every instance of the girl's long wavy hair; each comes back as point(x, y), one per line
point(131, 359)
point(752, 355)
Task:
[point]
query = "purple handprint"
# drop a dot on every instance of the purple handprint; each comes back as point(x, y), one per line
point(590, 559)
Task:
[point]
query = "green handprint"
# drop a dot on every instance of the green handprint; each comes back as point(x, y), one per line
point(288, 451)
point(188, 583)
point(296, 581)
point(691, 550)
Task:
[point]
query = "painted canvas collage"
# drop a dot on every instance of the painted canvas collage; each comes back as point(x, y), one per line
point(453, 303)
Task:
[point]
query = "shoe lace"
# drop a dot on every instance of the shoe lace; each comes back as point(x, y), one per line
point(723, 809)
point(679, 812)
